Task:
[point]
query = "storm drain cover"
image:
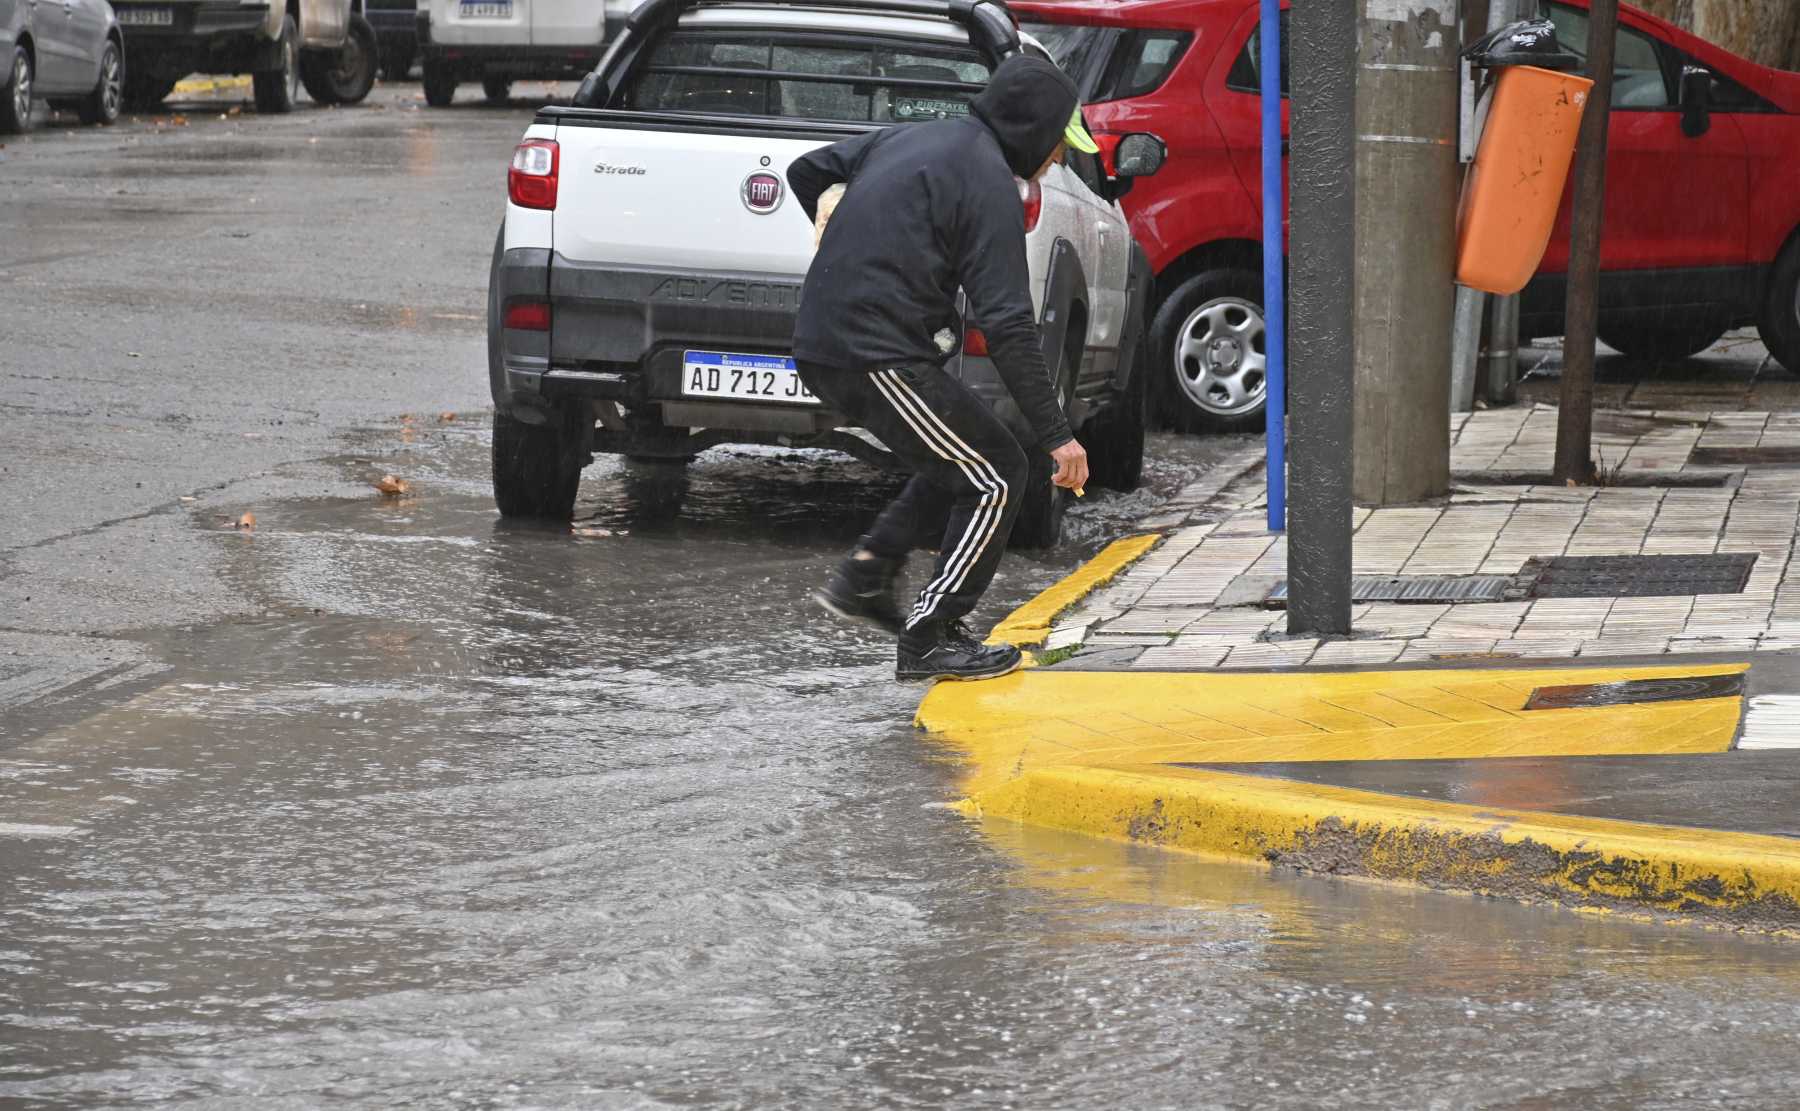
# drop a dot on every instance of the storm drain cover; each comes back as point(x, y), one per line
point(1745, 457)
point(1419, 589)
point(1640, 576)
point(1686, 688)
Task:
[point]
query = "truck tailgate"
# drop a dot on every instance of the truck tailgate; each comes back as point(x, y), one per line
point(675, 197)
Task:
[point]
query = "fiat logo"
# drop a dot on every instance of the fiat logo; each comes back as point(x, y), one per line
point(762, 192)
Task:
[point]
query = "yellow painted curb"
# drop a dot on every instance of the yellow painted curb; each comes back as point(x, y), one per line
point(1042, 719)
point(1030, 624)
point(193, 85)
point(1742, 880)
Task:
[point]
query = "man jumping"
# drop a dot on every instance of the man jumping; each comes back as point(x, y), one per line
point(930, 208)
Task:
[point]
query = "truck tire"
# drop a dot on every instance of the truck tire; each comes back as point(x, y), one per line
point(16, 94)
point(537, 468)
point(1779, 321)
point(496, 89)
point(145, 91)
point(276, 90)
point(439, 82)
point(344, 75)
point(1040, 520)
point(1209, 338)
point(1115, 438)
point(1661, 344)
point(102, 104)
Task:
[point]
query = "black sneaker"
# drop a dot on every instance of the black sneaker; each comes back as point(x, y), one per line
point(863, 590)
point(948, 650)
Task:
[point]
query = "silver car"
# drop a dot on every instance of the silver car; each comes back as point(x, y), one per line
point(67, 52)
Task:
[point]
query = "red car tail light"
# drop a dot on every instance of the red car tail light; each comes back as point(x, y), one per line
point(531, 180)
point(975, 342)
point(1033, 198)
point(528, 316)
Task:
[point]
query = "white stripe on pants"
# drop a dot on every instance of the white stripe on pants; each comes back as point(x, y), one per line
point(983, 523)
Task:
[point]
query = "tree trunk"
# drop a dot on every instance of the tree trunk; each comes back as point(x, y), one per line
point(1766, 31)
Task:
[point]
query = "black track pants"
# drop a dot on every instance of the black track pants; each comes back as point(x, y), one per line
point(968, 483)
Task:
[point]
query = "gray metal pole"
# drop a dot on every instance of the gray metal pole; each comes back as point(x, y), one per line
point(1322, 316)
point(1472, 305)
point(1500, 362)
point(1407, 173)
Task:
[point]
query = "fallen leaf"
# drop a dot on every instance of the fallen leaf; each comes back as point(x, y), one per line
point(246, 523)
point(446, 418)
point(179, 121)
point(590, 533)
point(406, 419)
point(134, 354)
point(391, 486)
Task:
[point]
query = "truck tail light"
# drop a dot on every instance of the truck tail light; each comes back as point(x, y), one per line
point(528, 316)
point(531, 179)
point(1033, 198)
point(975, 342)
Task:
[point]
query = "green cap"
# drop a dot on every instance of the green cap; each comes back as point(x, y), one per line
point(1077, 135)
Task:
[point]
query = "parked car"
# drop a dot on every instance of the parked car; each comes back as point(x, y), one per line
point(1701, 203)
point(497, 42)
point(396, 24)
point(70, 55)
point(325, 45)
point(649, 269)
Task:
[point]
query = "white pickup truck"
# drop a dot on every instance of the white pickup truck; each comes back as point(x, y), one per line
point(645, 283)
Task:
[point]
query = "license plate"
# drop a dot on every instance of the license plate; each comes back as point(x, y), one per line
point(743, 378)
point(146, 17)
point(486, 9)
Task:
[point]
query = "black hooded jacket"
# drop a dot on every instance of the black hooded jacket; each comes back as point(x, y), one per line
point(931, 207)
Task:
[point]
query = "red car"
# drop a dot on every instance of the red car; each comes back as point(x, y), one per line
point(1702, 205)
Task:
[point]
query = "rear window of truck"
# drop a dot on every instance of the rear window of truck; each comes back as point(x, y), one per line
point(806, 77)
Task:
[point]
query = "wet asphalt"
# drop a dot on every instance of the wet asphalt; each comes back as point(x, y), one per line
point(383, 802)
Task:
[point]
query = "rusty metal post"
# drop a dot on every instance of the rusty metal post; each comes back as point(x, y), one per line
point(1575, 418)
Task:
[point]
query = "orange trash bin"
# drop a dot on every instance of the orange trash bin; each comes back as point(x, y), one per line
point(1516, 183)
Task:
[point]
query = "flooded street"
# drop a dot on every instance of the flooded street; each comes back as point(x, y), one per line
point(491, 817)
point(384, 803)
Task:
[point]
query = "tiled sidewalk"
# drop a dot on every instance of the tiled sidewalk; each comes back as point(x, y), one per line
point(1195, 602)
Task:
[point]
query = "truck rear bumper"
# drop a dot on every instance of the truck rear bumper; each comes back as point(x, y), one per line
point(469, 61)
point(618, 336)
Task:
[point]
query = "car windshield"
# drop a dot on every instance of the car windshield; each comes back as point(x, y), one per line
point(806, 77)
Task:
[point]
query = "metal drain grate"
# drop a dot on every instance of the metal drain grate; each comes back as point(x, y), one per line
point(1628, 692)
point(1651, 576)
point(1420, 589)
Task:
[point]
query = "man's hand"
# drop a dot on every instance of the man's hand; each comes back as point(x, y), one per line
point(1071, 466)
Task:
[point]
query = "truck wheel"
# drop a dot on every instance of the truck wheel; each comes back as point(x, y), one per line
point(145, 91)
point(1209, 338)
point(15, 96)
point(1115, 438)
point(1661, 344)
point(276, 90)
point(1779, 322)
point(344, 75)
point(496, 89)
point(1040, 521)
point(439, 82)
point(101, 106)
point(537, 468)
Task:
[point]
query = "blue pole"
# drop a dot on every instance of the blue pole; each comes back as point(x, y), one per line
point(1274, 266)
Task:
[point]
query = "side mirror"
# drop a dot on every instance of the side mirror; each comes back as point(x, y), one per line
point(1139, 154)
point(1696, 101)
